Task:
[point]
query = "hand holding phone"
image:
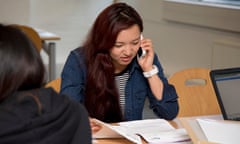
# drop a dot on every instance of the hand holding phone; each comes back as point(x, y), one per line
point(141, 52)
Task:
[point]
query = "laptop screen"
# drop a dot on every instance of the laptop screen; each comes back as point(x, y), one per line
point(226, 84)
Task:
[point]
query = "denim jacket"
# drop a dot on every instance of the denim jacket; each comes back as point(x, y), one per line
point(136, 90)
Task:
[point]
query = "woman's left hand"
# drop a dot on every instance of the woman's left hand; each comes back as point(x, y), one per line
point(94, 126)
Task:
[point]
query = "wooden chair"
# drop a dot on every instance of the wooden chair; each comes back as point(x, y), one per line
point(195, 91)
point(32, 34)
point(40, 44)
point(55, 84)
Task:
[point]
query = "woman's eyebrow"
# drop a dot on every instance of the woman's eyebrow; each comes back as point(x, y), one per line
point(136, 39)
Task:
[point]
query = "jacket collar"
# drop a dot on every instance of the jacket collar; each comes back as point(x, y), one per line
point(134, 66)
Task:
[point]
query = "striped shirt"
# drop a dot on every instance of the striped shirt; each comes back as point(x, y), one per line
point(121, 80)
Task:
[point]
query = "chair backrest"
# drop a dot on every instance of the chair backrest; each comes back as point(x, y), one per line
point(32, 34)
point(195, 91)
point(55, 84)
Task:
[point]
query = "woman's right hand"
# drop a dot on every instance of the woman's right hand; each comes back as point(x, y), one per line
point(94, 126)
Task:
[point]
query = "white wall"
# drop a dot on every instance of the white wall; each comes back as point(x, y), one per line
point(12, 11)
point(69, 19)
point(178, 44)
point(181, 45)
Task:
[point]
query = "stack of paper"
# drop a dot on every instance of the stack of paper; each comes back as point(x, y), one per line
point(220, 131)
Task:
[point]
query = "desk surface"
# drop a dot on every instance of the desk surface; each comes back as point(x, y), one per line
point(175, 123)
point(45, 35)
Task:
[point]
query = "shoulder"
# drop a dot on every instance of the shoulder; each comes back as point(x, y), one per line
point(78, 52)
point(76, 56)
point(53, 102)
point(50, 97)
point(57, 102)
point(157, 62)
point(28, 104)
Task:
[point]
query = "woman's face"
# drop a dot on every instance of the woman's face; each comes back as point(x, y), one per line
point(125, 47)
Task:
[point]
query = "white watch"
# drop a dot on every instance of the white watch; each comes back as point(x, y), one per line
point(151, 72)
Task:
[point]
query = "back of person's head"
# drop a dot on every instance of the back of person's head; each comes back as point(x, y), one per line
point(21, 67)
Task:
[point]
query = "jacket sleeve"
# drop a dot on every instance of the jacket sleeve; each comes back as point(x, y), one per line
point(166, 108)
point(73, 77)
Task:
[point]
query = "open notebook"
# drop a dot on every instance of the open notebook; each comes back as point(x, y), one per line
point(226, 83)
point(152, 130)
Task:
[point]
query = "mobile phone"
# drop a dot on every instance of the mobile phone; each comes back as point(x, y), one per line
point(141, 52)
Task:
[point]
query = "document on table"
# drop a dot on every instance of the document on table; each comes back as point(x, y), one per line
point(152, 130)
point(113, 131)
point(220, 131)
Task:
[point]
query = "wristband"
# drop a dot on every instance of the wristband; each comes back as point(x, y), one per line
point(151, 72)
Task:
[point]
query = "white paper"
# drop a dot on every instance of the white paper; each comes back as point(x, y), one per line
point(111, 131)
point(220, 131)
point(152, 130)
point(156, 131)
point(107, 131)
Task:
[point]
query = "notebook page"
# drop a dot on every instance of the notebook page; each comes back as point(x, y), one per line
point(156, 131)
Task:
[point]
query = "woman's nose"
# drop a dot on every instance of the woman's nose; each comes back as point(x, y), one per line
point(128, 50)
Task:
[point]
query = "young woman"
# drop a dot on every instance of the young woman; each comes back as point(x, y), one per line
point(29, 113)
point(106, 75)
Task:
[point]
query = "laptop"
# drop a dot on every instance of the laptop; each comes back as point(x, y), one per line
point(226, 83)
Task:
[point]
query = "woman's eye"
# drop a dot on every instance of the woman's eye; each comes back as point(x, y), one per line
point(135, 43)
point(117, 46)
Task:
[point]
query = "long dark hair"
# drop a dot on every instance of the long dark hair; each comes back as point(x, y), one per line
point(21, 67)
point(102, 98)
